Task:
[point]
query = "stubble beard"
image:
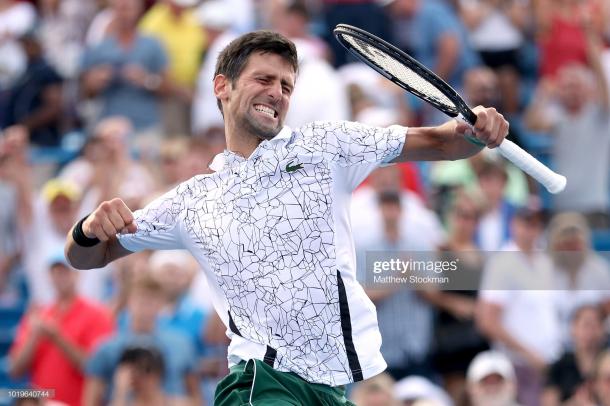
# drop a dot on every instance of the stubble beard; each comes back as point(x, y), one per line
point(252, 126)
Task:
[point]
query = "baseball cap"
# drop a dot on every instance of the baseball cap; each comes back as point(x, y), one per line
point(490, 362)
point(60, 187)
point(420, 389)
point(215, 14)
point(57, 257)
point(185, 3)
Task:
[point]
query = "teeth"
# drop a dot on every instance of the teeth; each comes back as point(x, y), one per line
point(264, 109)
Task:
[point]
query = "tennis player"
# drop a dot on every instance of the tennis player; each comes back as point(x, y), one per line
point(270, 227)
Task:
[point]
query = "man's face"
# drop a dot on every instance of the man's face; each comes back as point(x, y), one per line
point(258, 101)
point(492, 390)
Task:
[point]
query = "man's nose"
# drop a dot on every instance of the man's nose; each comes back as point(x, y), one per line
point(275, 90)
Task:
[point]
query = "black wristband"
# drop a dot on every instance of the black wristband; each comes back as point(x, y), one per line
point(79, 237)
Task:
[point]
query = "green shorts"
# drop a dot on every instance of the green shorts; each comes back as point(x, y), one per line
point(256, 383)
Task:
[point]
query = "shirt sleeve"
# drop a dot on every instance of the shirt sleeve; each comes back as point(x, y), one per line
point(356, 148)
point(159, 224)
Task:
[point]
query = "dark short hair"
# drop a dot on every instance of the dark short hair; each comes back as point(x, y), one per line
point(144, 357)
point(234, 57)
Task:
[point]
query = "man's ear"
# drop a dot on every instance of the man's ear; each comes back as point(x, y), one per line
point(222, 86)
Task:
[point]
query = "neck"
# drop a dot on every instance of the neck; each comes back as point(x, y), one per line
point(143, 327)
point(460, 240)
point(125, 34)
point(392, 233)
point(240, 143)
point(65, 300)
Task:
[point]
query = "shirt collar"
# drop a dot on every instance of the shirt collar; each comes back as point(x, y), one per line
point(228, 158)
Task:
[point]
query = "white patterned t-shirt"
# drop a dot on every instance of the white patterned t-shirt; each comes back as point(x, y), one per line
point(272, 233)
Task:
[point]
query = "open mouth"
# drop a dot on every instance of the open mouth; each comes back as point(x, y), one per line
point(265, 110)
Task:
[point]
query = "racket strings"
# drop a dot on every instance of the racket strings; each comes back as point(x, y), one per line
point(397, 69)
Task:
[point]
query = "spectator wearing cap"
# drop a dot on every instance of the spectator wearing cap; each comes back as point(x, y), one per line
point(52, 342)
point(16, 18)
point(567, 379)
point(491, 380)
point(174, 23)
point(216, 17)
point(35, 97)
point(144, 303)
point(415, 390)
point(127, 71)
point(581, 276)
point(516, 309)
point(54, 212)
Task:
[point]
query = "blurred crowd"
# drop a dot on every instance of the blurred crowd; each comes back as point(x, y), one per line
point(103, 99)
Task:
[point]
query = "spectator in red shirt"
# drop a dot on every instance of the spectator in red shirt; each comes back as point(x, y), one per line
point(52, 342)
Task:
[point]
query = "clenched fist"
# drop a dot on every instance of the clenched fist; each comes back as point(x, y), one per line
point(110, 218)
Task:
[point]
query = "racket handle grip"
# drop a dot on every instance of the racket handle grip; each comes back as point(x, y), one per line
point(553, 182)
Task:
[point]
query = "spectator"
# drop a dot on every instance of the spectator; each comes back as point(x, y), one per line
point(491, 380)
point(601, 380)
point(494, 226)
point(174, 23)
point(580, 126)
point(35, 98)
point(563, 27)
point(481, 87)
point(581, 276)
point(375, 391)
point(319, 85)
point(434, 34)
point(107, 169)
point(54, 212)
point(567, 380)
point(516, 304)
point(144, 305)
point(414, 215)
point(53, 342)
point(138, 379)
point(126, 70)
point(15, 211)
point(497, 34)
point(16, 18)
point(457, 340)
point(63, 25)
point(216, 17)
point(418, 391)
point(174, 270)
point(406, 346)
point(366, 14)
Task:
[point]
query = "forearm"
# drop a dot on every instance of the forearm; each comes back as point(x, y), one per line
point(86, 257)
point(20, 363)
point(75, 355)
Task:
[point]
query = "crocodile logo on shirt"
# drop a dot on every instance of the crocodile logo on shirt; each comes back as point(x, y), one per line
point(292, 168)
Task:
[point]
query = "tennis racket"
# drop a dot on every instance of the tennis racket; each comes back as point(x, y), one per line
point(415, 78)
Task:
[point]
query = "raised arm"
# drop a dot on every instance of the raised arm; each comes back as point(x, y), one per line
point(109, 219)
point(448, 141)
